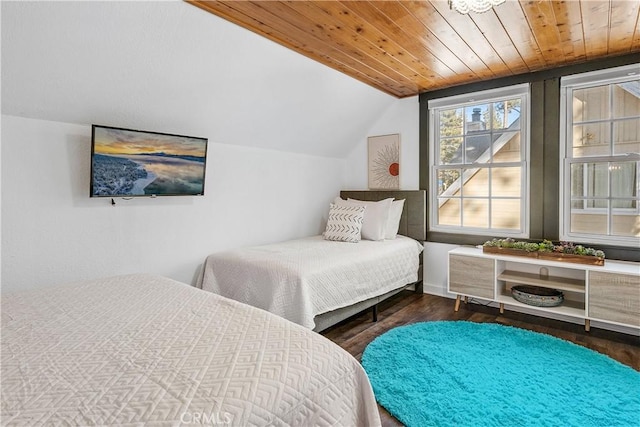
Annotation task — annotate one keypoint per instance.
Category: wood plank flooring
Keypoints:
(407, 307)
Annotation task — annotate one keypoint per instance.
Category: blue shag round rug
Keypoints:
(459, 373)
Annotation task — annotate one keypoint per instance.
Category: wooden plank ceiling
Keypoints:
(407, 47)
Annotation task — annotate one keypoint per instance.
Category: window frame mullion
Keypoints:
(568, 85)
(488, 98)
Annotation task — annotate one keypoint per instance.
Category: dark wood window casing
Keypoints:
(544, 156)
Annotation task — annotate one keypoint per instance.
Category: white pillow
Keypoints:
(344, 223)
(375, 216)
(393, 223)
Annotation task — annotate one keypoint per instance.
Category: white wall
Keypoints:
(279, 127)
(52, 232)
(400, 117)
(171, 67)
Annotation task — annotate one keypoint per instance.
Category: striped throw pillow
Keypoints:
(345, 223)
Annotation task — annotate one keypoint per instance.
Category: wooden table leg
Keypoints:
(587, 325)
(457, 306)
(501, 308)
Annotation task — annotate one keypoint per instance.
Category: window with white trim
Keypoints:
(479, 148)
(600, 149)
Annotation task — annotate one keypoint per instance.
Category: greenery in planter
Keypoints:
(544, 246)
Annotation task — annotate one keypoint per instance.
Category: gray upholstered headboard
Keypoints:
(413, 220)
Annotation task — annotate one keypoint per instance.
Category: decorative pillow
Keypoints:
(344, 223)
(375, 216)
(393, 223)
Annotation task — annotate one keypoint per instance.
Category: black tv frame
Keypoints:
(92, 186)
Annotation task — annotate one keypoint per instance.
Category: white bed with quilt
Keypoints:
(299, 279)
(305, 279)
(146, 350)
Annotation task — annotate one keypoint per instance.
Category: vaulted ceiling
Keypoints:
(407, 47)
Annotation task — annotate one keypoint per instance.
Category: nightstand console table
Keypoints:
(609, 293)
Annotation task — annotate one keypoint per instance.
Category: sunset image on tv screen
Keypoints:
(135, 163)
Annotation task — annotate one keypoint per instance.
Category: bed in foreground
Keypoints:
(140, 349)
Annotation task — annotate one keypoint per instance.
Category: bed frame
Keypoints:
(412, 224)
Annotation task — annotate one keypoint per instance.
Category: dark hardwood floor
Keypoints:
(407, 307)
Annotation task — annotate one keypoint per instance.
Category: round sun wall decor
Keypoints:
(384, 162)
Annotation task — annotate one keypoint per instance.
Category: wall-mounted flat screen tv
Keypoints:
(133, 163)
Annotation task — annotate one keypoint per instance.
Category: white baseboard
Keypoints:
(442, 292)
(436, 290)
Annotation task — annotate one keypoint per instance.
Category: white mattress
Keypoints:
(300, 279)
(145, 350)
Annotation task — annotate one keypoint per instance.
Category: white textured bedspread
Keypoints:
(299, 279)
(145, 350)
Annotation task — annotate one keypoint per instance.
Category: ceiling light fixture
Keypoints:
(477, 6)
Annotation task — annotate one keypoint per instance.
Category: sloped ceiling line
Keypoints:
(404, 48)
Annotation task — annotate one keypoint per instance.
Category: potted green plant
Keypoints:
(562, 251)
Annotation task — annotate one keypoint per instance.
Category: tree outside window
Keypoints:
(479, 164)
